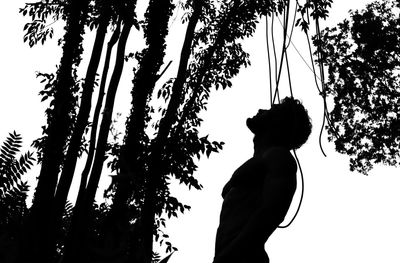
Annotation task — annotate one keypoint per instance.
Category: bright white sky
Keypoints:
(345, 217)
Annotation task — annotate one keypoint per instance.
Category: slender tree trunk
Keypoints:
(59, 124)
(82, 119)
(75, 251)
(81, 123)
(157, 15)
(155, 174)
(107, 115)
(177, 89)
(207, 60)
(155, 30)
(96, 115)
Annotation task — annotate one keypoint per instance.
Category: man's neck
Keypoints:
(258, 152)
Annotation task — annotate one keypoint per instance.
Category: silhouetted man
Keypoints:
(258, 196)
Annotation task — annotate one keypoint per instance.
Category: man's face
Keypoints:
(260, 121)
(254, 123)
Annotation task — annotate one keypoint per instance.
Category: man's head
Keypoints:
(286, 124)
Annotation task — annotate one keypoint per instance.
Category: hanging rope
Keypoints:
(287, 39)
(269, 61)
(282, 57)
(275, 60)
(319, 80)
(301, 193)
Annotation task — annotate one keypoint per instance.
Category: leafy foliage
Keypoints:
(43, 15)
(316, 9)
(363, 59)
(13, 191)
(11, 169)
(13, 194)
(62, 89)
(48, 94)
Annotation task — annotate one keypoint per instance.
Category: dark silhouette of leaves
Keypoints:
(13, 193)
(363, 59)
(11, 168)
(43, 15)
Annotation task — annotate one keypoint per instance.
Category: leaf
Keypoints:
(166, 259)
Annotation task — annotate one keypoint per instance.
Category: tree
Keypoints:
(99, 14)
(159, 145)
(82, 118)
(13, 193)
(85, 200)
(362, 56)
(60, 120)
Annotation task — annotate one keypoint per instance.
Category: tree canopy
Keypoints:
(363, 59)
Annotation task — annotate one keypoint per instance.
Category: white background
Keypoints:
(345, 217)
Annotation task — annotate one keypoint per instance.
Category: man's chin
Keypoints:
(250, 123)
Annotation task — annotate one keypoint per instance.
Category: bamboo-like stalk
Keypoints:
(96, 115)
(75, 249)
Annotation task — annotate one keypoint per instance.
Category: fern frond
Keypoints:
(10, 148)
(11, 168)
(24, 163)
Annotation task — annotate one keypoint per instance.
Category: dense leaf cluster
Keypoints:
(363, 59)
(316, 9)
(13, 192)
(11, 170)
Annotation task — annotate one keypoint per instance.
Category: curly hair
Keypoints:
(288, 123)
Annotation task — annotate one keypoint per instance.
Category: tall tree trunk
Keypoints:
(57, 131)
(75, 250)
(155, 31)
(155, 174)
(82, 119)
(157, 15)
